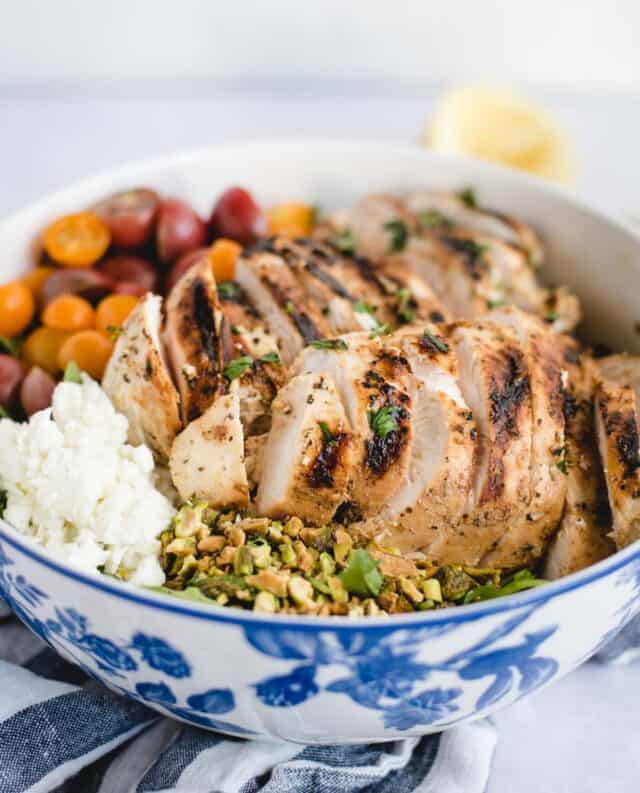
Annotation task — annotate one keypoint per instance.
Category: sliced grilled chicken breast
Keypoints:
(440, 209)
(495, 383)
(275, 291)
(581, 539)
(194, 339)
(373, 381)
(138, 382)
(307, 457)
(207, 457)
(548, 482)
(616, 416)
(623, 369)
(426, 511)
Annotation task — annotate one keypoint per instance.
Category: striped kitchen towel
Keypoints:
(61, 731)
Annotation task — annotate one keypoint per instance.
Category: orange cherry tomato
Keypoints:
(17, 308)
(69, 312)
(223, 255)
(77, 240)
(91, 351)
(42, 347)
(35, 279)
(112, 312)
(294, 220)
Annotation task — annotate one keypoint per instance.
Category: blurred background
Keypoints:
(84, 85)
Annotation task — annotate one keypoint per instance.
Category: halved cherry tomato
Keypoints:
(129, 288)
(186, 261)
(237, 216)
(12, 371)
(90, 284)
(69, 312)
(179, 229)
(77, 240)
(131, 269)
(36, 391)
(41, 348)
(17, 308)
(223, 255)
(90, 349)
(35, 279)
(113, 311)
(294, 220)
(129, 215)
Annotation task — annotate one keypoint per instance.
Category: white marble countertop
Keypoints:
(582, 734)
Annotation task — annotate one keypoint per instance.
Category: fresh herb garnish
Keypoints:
(431, 218)
(363, 308)
(235, 330)
(12, 346)
(405, 313)
(327, 435)
(468, 196)
(344, 241)
(270, 357)
(491, 304)
(522, 580)
(381, 330)
(551, 316)
(384, 420)
(238, 367)
(436, 343)
(329, 344)
(361, 576)
(399, 235)
(289, 307)
(72, 373)
(562, 462)
(228, 289)
(114, 331)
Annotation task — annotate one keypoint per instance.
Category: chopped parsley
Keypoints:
(491, 304)
(289, 307)
(363, 308)
(361, 576)
(381, 330)
(399, 235)
(270, 357)
(12, 346)
(468, 196)
(344, 241)
(432, 218)
(329, 344)
(522, 580)
(562, 461)
(235, 330)
(551, 316)
(238, 367)
(72, 373)
(405, 313)
(327, 435)
(436, 343)
(228, 290)
(384, 420)
(114, 331)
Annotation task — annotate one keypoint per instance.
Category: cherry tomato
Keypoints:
(237, 216)
(90, 349)
(77, 240)
(69, 312)
(132, 269)
(90, 284)
(17, 308)
(223, 255)
(36, 391)
(42, 346)
(179, 229)
(12, 372)
(186, 261)
(129, 288)
(129, 216)
(113, 311)
(35, 279)
(294, 220)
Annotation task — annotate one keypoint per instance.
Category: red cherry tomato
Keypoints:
(186, 261)
(36, 391)
(90, 284)
(12, 372)
(179, 229)
(237, 217)
(132, 269)
(129, 288)
(129, 215)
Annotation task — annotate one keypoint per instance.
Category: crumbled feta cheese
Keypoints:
(76, 487)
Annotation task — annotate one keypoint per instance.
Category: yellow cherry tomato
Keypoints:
(17, 308)
(35, 278)
(112, 311)
(294, 220)
(69, 312)
(42, 346)
(223, 255)
(91, 351)
(77, 240)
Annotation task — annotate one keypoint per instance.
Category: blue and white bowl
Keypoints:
(328, 680)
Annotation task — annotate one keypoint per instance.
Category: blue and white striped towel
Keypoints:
(61, 731)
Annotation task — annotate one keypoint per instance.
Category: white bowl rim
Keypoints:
(215, 613)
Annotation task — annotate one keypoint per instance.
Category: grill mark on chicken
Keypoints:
(226, 337)
(321, 473)
(327, 279)
(205, 321)
(627, 443)
(470, 252)
(304, 324)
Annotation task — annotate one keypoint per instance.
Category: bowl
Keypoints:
(336, 679)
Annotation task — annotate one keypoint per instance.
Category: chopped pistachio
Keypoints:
(265, 602)
(293, 527)
(226, 556)
(287, 554)
(261, 553)
(409, 588)
(304, 557)
(236, 536)
(300, 591)
(432, 590)
(327, 563)
(267, 580)
(243, 561)
(212, 544)
(181, 546)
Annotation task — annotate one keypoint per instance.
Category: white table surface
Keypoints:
(580, 735)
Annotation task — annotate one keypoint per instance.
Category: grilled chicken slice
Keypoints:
(193, 336)
(581, 537)
(548, 482)
(374, 382)
(207, 458)
(623, 369)
(439, 209)
(616, 417)
(426, 511)
(275, 291)
(138, 382)
(307, 458)
(495, 383)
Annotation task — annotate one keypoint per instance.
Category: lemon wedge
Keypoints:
(502, 127)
